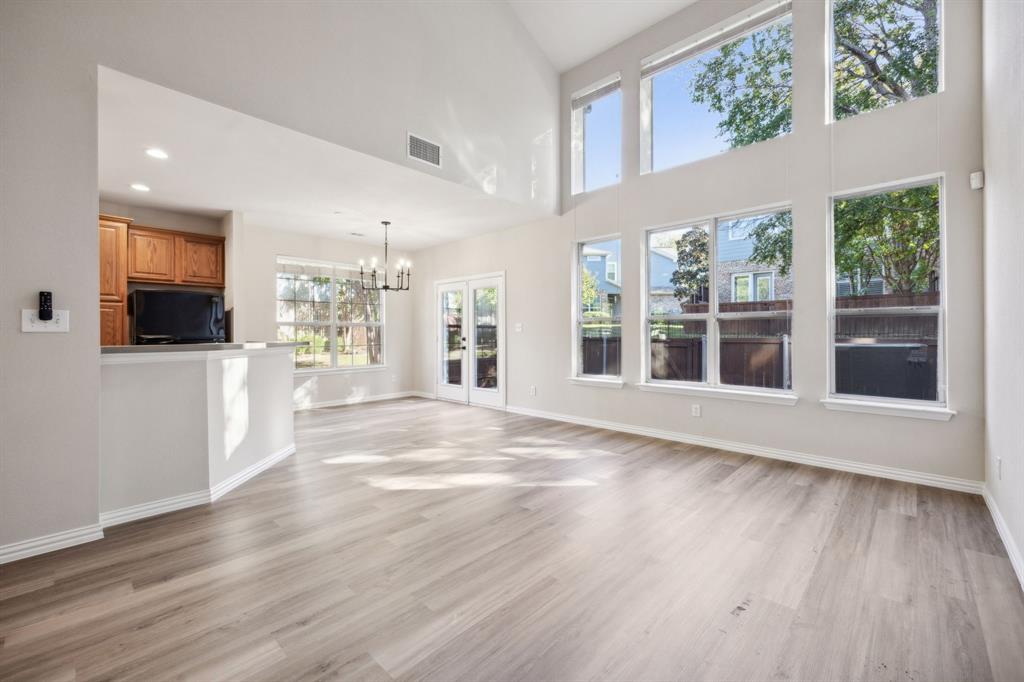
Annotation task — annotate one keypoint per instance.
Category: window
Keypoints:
(599, 305)
(753, 286)
(324, 306)
(730, 87)
(883, 52)
(597, 136)
(887, 337)
(611, 269)
(725, 320)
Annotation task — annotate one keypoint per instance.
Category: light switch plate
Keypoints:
(30, 322)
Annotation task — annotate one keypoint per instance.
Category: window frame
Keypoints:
(830, 113)
(753, 275)
(577, 130)
(338, 271)
(941, 388)
(577, 374)
(737, 26)
(713, 384)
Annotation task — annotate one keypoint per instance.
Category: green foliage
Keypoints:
(691, 274)
(886, 51)
(588, 289)
(750, 83)
(773, 241)
(894, 235)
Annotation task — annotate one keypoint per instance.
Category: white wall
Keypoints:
(936, 134)
(357, 74)
(258, 270)
(162, 218)
(1003, 101)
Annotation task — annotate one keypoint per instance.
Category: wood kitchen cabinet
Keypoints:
(151, 255)
(113, 324)
(175, 257)
(200, 260)
(113, 237)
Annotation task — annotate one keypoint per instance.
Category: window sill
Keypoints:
(767, 397)
(340, 370)
(934, 413)
(594, 381)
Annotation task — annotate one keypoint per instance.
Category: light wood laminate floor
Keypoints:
(416, 539)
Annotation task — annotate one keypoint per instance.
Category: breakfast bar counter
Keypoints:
(184, 424)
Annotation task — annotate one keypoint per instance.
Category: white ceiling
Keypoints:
(572, 31)
(222, 160)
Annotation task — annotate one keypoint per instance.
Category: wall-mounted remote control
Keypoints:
(45, 305)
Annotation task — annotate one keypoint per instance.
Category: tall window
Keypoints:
(731, 88)
(883, 52)
(325, 307)
(599, 309)
(725, 320)
(887, 326)
(597, 136)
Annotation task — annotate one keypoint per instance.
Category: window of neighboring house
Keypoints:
(597, 136)
(612, 271)
(599, 305)
(727, 319)
(753, 286)
(325, 306)
(883, 52)
(887, 337)
(729, 87)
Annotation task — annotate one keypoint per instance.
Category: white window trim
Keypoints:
(883, 405)
(753, 19)
(764, 395)
(577, 131)
(611, 271)
(577, 318)
(711, 318)
(597, 380)
(905, 409)
(338, 271)
(830, 114)
(753, 282)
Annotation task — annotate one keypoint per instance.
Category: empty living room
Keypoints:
(512, 340)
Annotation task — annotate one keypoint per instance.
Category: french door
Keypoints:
(471, 340)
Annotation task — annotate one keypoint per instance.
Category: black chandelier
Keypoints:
(404, 270)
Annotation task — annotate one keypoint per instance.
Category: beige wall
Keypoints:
(162, 218)
(936, 134)
(257, 263)
(1004, 247)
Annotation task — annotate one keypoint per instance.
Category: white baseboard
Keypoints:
(422, 394)
(50, 543)
(361, 399)
(906, 475)
(228, 484)
(1016, 558)
(141, 511)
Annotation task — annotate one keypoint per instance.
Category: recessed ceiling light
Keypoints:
(156, 153)
(139, 187)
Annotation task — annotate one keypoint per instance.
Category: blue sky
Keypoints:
(684, 131)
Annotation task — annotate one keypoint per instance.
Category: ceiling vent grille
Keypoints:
(424, 150)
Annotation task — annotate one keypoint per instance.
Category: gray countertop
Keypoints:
(195, 347)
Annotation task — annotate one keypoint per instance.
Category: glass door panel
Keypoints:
(485, 340)
(452, 367)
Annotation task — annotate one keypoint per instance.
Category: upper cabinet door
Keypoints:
(113, 259)
(150, 255)
(200, 260)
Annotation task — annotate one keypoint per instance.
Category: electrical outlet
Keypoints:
(30, 322)
(533, 390)
(519, 326)
(999, 468)
(694, 410)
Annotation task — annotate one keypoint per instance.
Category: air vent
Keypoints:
(424, 151)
